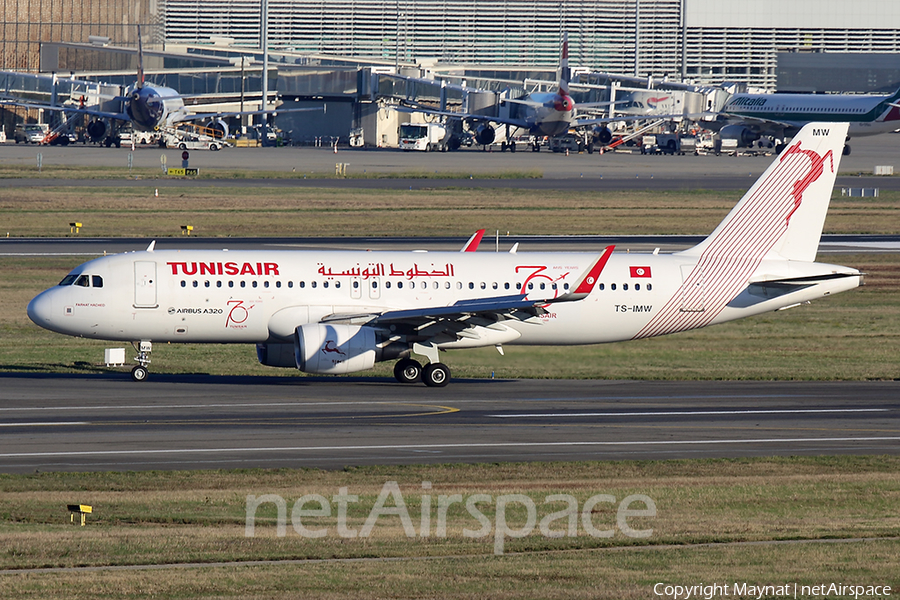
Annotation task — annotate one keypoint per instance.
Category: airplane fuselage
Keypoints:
(867, 115)
(152, 107)
(263, 296)
(552, 114)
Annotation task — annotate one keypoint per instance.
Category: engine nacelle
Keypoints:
(485, 135)
(602, 134)
(219, 128)
(96, 130)
(335, 349)
(745, 137)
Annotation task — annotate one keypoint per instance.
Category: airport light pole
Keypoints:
(264, 38)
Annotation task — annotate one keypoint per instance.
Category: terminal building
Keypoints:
(358, 55)
(703, 41)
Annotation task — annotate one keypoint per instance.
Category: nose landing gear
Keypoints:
(140, 371)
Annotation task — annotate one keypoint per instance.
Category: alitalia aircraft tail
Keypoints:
(783, 214)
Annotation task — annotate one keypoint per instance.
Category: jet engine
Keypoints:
(338, 349)
(485, 135)
(219, 128)
(602, 135)
(744, 136)
(96, 130)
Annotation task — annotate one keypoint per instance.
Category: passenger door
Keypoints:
(145, 284)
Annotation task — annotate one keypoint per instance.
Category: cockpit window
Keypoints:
(82, 280)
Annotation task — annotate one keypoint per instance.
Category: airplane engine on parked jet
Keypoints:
(744, 136)
(96, 130)
(485, 135)
(219, 127)
(602, 135)
(338, 349)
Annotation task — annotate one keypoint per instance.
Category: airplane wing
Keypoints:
(68, 109)
(123, 116)
(756, 120)
(220, 114)
(466, 116)
(757, 124)
(602, 120)
(455, 318)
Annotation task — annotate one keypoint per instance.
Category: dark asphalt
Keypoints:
(108, 422)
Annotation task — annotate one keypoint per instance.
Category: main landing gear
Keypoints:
(140, 371)
(433, 374)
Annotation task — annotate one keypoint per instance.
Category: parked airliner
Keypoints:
(540, 114)
(148, 107)
(336, 312)
(748, 117)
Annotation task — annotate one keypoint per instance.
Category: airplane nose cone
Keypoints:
(40, 310)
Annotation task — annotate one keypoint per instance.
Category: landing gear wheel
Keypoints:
(846, 151)
(436, 375)
(407, 371)
(140, 373)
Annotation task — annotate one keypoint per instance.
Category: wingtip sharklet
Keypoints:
(585, 285)
(474, 241)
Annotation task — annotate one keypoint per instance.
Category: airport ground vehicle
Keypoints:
(425, 137)
(573, 142)
(668, 143)
(185, 141)
(31, 133)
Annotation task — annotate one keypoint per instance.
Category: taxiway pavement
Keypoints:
(610, 171)
(108, 422)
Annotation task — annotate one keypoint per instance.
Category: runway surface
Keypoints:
(108, 422)
(92, 247)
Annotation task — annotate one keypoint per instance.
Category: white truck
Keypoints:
(425, 137)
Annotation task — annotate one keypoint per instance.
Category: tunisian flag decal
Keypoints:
(640, 271)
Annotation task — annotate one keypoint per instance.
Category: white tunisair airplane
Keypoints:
(338, 312)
